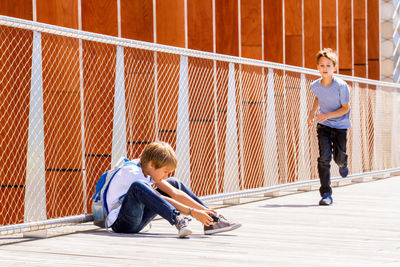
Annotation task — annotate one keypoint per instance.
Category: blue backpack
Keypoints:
(99, 204)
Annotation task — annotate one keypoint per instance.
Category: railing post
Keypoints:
(35, 190)
(119, 122)
(378, 160)
(182, 131)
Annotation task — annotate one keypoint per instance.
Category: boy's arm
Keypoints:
(311, 115)
(183, 202)
(201, 215)
(337, 113)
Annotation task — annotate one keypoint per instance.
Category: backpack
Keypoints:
(99, 203)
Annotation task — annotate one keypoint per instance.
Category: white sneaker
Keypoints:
(182, 224)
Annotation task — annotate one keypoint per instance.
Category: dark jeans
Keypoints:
(330, 140)
(141, 204)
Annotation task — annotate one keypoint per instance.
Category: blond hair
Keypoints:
(329, 54)
(161, 154)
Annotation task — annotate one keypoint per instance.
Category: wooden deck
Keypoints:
(361, 228)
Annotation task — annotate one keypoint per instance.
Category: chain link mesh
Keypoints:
(234, 126)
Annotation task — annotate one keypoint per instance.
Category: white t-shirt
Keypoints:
(120, 184)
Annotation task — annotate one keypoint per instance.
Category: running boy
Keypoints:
(332, 96)
(149, 192)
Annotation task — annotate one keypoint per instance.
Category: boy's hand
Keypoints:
(203, 217)
(321, 117)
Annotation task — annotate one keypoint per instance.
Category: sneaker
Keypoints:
(182, 224)
(326, 199)
(344, 171)
(220, 225)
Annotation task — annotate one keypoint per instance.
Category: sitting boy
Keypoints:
(149, 192)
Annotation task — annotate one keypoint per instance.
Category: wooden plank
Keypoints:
(345, 36)
(273, 30)
(329, 24)
(200, 25)
(226, 27)
(170, 19)
(251, 29)
(311, 33)
(22, 9)
(60, 13)
(137, 20)
(100, 16)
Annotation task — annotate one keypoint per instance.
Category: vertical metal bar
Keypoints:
(395, 146)
(119, 141)
(182, 130)
(35, 190)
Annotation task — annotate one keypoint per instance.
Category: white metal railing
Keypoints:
(73, 102)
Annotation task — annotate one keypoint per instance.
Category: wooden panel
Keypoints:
(61, 103)
(200, 25)
(100, 16)
(168, 136)
(359, 42)
(95, 167)
(60, 13)
(293, 50)
(170, 22)
(140, 95)
(202, 163)
(135, 148)
(360, 71)
(345, 37)
(201, 89)
(137, 20)
(293, 17)
(12, 205)
(329, 24)
(64, 194)
(98, 82)
(251, 29)
(17, 8)
(15, 79)
(373, 69)
(373, 38)
(273, 30)
(311, 33)
(226, 27)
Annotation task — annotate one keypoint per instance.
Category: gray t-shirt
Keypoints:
(331, 98)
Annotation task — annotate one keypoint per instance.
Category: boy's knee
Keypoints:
(324, 160)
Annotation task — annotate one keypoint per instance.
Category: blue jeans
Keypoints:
(330, 141)
(141, 204)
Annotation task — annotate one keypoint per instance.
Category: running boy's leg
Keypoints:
(141, 204)
(339, 138)
(325, 157)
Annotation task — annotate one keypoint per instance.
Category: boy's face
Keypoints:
(325, 67)
(159, 174)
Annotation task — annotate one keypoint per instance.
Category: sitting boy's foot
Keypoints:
(344, 171)
(182, 224)
(326, 199)
(146, 228)
(220, 225)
